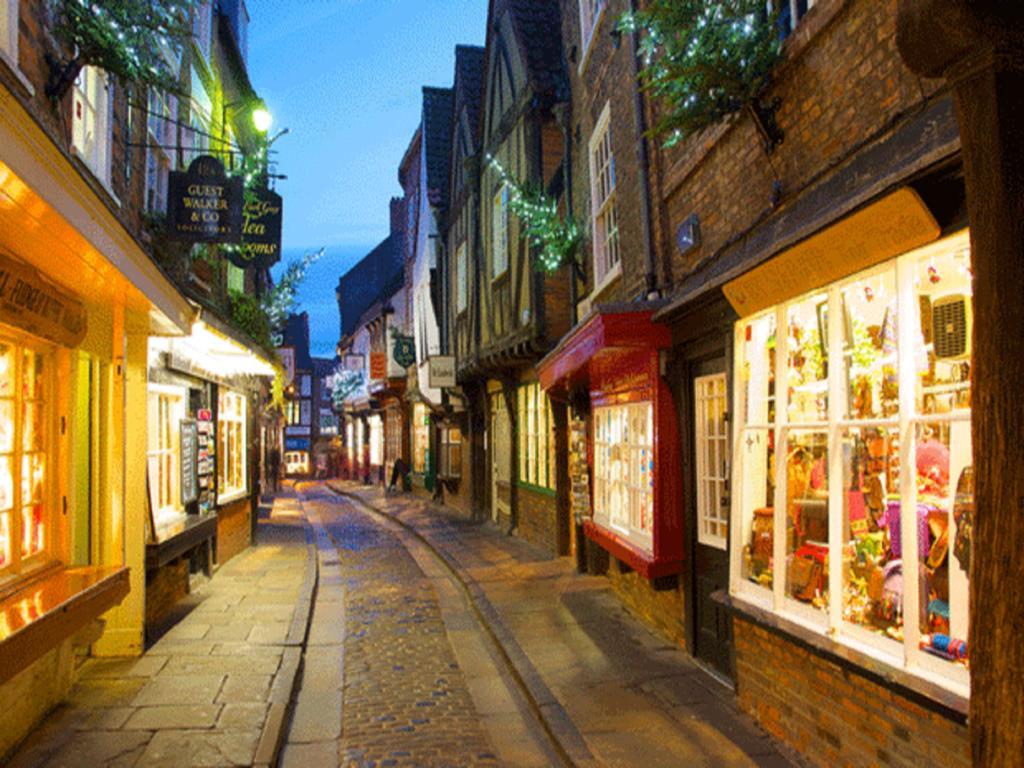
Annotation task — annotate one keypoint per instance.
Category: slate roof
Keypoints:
(360, 287)
(437, 137)
(538, 26)
(470, 62)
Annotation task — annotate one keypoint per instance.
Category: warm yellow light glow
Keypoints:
(262, 119)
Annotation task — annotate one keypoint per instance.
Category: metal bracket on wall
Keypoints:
(763, 115)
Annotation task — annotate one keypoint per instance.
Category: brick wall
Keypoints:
(164, 588)
(537, 518)
(834, 716)
(28, 696)
(234, 533)
(662, 610)
(841, 84)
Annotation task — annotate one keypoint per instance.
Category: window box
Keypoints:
(636, 504)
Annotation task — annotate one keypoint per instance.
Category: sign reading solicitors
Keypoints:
(204, 204)
(261, 230)
(31, 303)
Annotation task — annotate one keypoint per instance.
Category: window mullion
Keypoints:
(781, 435)
(836, 489)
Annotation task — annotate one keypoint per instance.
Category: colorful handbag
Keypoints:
(963, 514)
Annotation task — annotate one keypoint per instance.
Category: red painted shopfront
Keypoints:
(632, 446)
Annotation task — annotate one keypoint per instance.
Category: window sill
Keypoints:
(232, 496)
(640, 560)
(613, 275)
(12, 66)
(50, 609)
(929, 694)
(538, 489)
(104, 184)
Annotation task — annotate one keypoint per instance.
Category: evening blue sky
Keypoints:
(345, 77)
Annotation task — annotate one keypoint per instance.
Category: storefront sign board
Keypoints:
(30, 302)
(355, 362)
(204, 205)
(441, 371)
(262, 216)
(296, 444)
(378, 365)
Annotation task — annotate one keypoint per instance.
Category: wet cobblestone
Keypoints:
(405, 700)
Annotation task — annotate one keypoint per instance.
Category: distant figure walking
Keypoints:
(273, 469)
(398, 474)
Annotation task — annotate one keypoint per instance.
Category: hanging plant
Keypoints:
(138, 41)
(544, 227)
(704, 60)
(280, 302)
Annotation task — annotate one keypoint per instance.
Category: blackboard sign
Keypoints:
(204, 204)
(261, 231)
(189, 461)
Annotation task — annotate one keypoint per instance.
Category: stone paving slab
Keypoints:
(594, 669)
(206, 692)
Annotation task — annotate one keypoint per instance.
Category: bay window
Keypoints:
(853, 463)
(624, 471)
(536, 429)
(231, 450)
(420, 438)
(26, 498)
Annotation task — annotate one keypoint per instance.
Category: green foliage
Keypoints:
(280, 302)
(139, 41)
(703, 59)
(544, 227)
(249, 316)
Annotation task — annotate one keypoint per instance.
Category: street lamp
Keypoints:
(262, 119)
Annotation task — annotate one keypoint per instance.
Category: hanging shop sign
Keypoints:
(378, 365)
(441, 371)
(404, 350)
(189, 461)
(262, 216)
(204, 203)
(29, 302)
(287, 355)
(355, 362)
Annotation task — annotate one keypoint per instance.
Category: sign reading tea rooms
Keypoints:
(261, 230)
(205, 204)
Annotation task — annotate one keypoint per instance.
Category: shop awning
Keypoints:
(610, 329)
(210, 353)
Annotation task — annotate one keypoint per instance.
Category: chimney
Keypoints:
(397, 215)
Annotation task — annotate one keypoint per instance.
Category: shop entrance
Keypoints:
(709, 500)
(501, 459)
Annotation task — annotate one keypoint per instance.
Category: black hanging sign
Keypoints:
(261, 231)
(204, 204)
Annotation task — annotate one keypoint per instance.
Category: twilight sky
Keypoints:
(345, 77)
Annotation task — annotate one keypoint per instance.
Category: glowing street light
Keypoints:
(262, 119)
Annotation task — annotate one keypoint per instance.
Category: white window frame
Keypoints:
(92, 97)
(618, 500)
(712, 480)
(164, 449)
(9, 32)
(461, 278)
(591, 12)
(499, 231)
(535, 427)
(451, 443)
(12, 518)
(906, 654)
(604, 215)
(232, 446)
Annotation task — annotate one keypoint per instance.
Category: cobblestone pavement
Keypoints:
(205, 693)
(405, 699)
(612, 690)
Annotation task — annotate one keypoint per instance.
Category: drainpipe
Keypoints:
(564, 113)
(651, 273)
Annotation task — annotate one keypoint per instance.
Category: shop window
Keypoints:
(499, 231)
(602, 196)
(536, 428)
(420, 438)
(376, 441)
(350, 439)
(231, 451)
(306, 385)
(360, 439)
(461, 279)
(91, 121)
(624, 471)
(306, 413)
(166, 409)
(857, 490)
(292, 413)
(712, 448)
(9, 30)
(590, 14)
(393, 435)
(25, 457)
(451, 452)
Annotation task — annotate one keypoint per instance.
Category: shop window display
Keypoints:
(875, 420)
(420, 438)
(24, 410)
(624, 470)
(231, 416)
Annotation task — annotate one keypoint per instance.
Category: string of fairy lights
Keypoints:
(556, 237)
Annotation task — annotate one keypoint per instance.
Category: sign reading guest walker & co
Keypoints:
(204, 204)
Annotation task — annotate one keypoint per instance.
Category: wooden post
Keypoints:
(979, 47)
